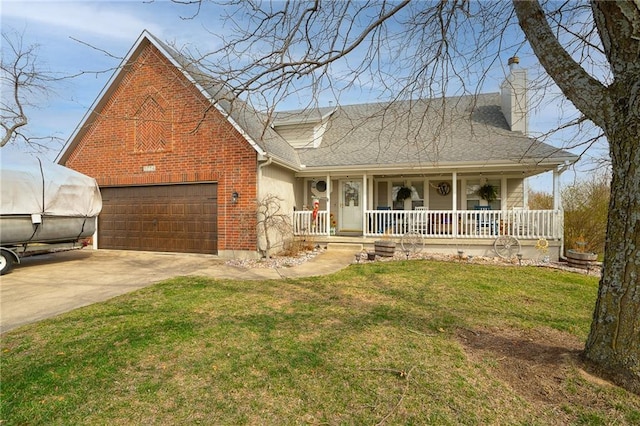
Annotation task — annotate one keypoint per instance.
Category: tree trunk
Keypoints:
(614, 340)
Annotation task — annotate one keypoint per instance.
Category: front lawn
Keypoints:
(409, 342)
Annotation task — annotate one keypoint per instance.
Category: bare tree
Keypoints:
(407, 50)
(274, 224)
(23, 83)
(613, 104)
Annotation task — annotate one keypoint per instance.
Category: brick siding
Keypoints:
(157, 128)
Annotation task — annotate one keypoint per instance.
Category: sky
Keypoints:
(88, 39)
(78, 37)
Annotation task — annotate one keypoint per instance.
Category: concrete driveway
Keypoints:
(45, 286)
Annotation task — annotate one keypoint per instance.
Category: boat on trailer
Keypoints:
(44, 207)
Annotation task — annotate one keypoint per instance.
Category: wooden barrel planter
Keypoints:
(384, 248)
(578, 259)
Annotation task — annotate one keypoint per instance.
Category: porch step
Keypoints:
(345, 246)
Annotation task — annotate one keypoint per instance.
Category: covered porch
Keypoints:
(467, 224)
(444, 209)
(462, 233)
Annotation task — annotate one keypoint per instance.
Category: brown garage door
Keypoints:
(177, 218)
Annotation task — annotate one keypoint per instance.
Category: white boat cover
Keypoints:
(29, 185)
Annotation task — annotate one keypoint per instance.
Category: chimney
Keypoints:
(515, 103)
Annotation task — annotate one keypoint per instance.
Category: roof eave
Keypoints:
(204, 92)
(101, 99)
(279, 161)
(447, 167)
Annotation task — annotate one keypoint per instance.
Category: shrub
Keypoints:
(540, 200)
(586, 206)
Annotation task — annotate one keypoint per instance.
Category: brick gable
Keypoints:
(157, 128)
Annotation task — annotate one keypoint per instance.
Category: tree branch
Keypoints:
(587, 93)
(20, 74)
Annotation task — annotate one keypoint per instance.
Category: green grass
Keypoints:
(375, 343)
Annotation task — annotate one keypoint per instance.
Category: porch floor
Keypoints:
(470, 246)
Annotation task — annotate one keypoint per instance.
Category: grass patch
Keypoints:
(411, 342)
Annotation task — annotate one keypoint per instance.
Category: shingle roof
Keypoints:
(422, 133)
(252, 122)
(301, 116)
(468, 129)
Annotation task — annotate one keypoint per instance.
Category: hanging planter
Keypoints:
(488, 192)
(403, 193)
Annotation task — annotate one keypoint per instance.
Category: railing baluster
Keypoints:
(523, 224)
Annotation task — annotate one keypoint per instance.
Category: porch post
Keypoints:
(454, 191)
(504, 193)
(463, 193)
(365, 200)
(454, 207)
(427, 190)
(327, 225)
(556, 189)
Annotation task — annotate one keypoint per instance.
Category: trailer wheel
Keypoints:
(6, 262)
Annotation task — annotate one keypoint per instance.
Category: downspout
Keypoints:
(557, 201)
(261, 166)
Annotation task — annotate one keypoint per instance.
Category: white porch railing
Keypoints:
(523, 224)
(304, 224)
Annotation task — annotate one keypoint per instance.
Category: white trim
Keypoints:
(365, 200)
(504, 194)
(454, 191)
(427, 193)
(454, 197)
(341, 207)
(442, 168)
(328, 179)
(556, 190)
(204, 92)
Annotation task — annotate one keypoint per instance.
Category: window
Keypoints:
(473, 199)
(417, 198)
(395, 187)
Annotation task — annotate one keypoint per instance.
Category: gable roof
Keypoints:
(432, 134)
(247, 121)
(425, 134)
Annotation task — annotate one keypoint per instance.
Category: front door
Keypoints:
(351, 205)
